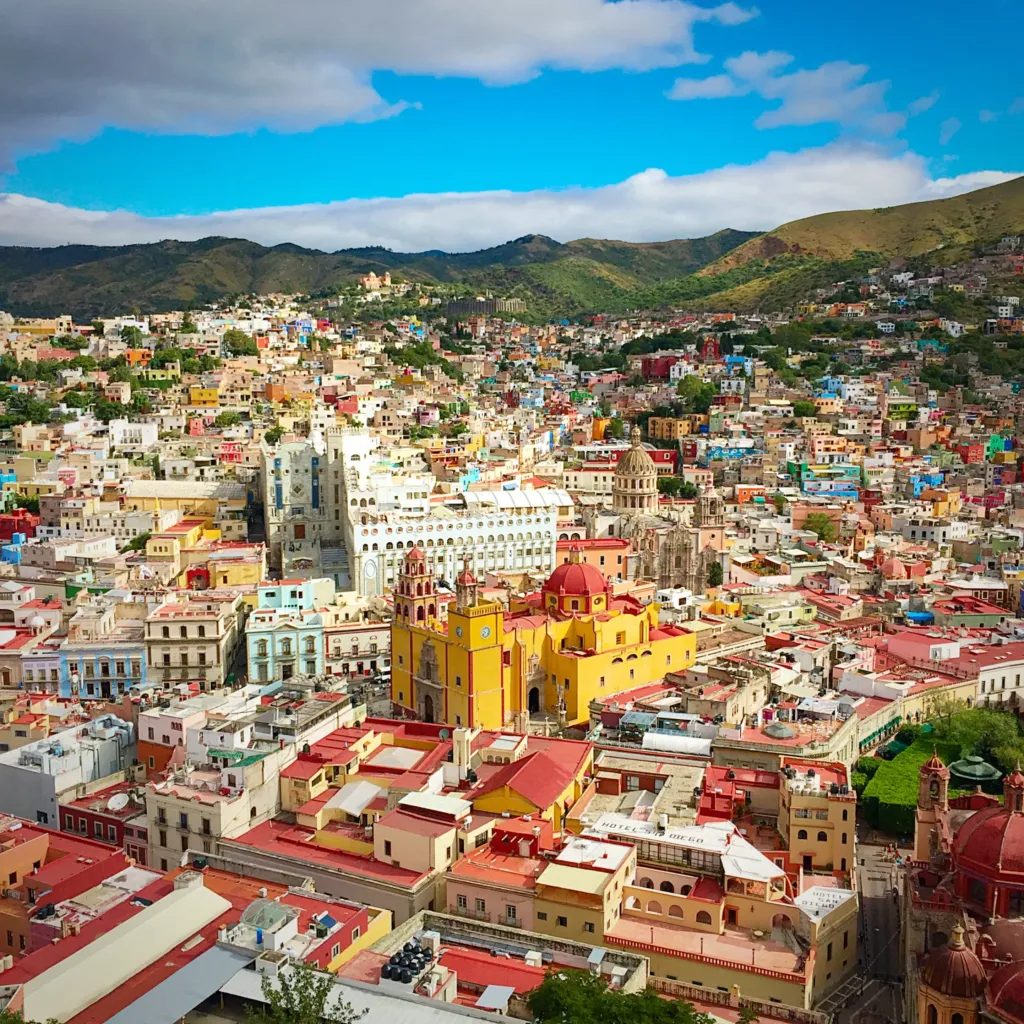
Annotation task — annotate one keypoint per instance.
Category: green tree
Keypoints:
(578, 997)
(30, 503)
(779, 501)
(228, 418)
(98, 328)
(273, 435)
(821, 524)
(697, 395)
(137, 543)
(188, 325)
(302, 995)
(239, 343)
(715, 574)
(804, 409)
(615, 430)
(132, 336)
(670, 485)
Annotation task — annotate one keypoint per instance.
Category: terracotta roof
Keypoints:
(537, 777)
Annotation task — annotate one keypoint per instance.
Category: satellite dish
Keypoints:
(443, 734)
(118, 802)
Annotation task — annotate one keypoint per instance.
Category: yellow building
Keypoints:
(664, 428)
(204, 398)
(551, 654)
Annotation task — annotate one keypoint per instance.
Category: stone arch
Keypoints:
(667, 887)
(645, 883)
(653, 907)
(675, 911)
(703, 917)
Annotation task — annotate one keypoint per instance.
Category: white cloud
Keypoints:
(713, 88)
(1017, 106)
(646, 207)
(987, 116)
(71, 68)
(923, 103)
(833, 93)
(948, 129)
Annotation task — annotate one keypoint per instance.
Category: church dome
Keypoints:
(1006, 991)
(990, 843)
(637, 461)
(635, 482)
(576, 579)
(954, 970)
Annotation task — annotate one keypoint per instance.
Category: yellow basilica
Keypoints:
(550, 655)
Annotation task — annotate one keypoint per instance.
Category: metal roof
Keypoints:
(544, 497)
(184, 990)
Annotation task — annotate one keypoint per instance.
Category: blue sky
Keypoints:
(537, 108)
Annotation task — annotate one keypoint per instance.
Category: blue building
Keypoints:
(284, 637)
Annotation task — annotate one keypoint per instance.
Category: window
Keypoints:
(542, 915)
(620, 639)
(202, 631)
(562, 922)
(510, 912)
(12, 878)
(822, 837)
(335, 950)
(462, 902)
(21, 942)
(458, 680)
(206, 826)
(286, 647)
(163, 839)
(261, 648)
(481, 907)
(846, 939)
(310, 645)
(588, 926)
(184, 632)
(97, 829)
(69, 823)
(844, 837)
(845, 816)
(183, 819)
(829, 952)
(802, 834)
(387, 847)
(184, 843)
(163, 863)
(112, 833)
(166, 631)
(355, 933)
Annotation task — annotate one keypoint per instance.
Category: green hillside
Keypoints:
(90, 281)
(727, 270)
(912, 230)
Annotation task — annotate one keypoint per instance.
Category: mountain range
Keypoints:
(730, 269)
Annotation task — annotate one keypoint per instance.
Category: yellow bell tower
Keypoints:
(475, 683)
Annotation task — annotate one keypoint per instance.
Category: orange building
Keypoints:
(39, 866)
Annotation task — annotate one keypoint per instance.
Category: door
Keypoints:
(808, 863)
(534, 700)
(428, 708)
(730, 915)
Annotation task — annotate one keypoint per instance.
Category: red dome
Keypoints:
(1006, 991)
(991, 843)
(417, 554)
(576, 579)
(954, 970)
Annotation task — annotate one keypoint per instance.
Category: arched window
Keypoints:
(703, 917)
(933, 1014)
(957, 1018)
(802, 834)
(666, 887)
(653, 907)
(822, 837)
(645, 883)
(674, 911)
(685, 890)
(844, 838)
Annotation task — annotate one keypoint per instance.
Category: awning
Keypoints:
(184, 990)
